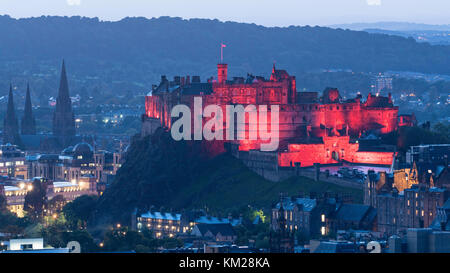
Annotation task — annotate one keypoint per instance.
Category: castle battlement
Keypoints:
(302, 116)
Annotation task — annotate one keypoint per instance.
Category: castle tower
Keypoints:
(222, 72)
(10, 123)
(28, 122)
(63, 117)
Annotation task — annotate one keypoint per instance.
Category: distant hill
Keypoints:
(139, 50)
(161, 172)
(394, 26)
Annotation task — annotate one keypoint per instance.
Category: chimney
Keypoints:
(188, 80)
(222, 72)
(383, 177)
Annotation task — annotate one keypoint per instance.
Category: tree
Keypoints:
(10, 223)
(3, 204)
(122, 239)
(35, 200)
(79, 211)
(56, 203)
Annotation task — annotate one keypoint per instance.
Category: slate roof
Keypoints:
(446, 204)
(162, 216)
(197, 88)
(336, 247)
(223, 229)
(305, 204)
(354, 212)
(442, 216)
(215, 220)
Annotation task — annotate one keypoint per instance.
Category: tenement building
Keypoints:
(13, 162)
(166, 224)
(319, 216)
(408, 199)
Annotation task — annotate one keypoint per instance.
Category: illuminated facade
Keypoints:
(311, 129)
(15, 190)
(75, 163)
(12, 162)
(409, 198)
(164, 224)
(106, 164)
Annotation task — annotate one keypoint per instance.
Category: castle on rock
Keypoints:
(312, 129)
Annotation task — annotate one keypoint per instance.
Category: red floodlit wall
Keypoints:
(296, 120)
(332, 150)
(379, 158)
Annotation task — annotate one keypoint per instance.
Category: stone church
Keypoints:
(64, 133)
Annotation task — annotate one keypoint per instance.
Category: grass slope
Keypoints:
(227, 183)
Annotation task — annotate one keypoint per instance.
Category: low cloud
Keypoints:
(73, 2)
(374, 2)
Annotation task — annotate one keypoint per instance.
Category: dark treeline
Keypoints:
(140, 48)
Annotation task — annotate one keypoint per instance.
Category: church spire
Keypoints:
(28, 121)
(10, 124)
(63, 99)
(63, 117)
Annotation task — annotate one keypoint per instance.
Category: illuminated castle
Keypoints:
(312, 129)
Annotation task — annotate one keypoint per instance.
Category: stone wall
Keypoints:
(149, 125)
(265, 164)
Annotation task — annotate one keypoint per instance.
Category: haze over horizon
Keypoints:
(261, 12)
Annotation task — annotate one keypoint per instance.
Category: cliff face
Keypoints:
(157, 168)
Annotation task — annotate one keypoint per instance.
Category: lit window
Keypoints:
(323, 218)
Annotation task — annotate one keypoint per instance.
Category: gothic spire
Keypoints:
(63, 117)
(28, 121)
(10, 124)
(63, 99)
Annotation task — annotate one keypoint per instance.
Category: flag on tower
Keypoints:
(222, 45)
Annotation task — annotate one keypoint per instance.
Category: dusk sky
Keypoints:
(264, 12)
